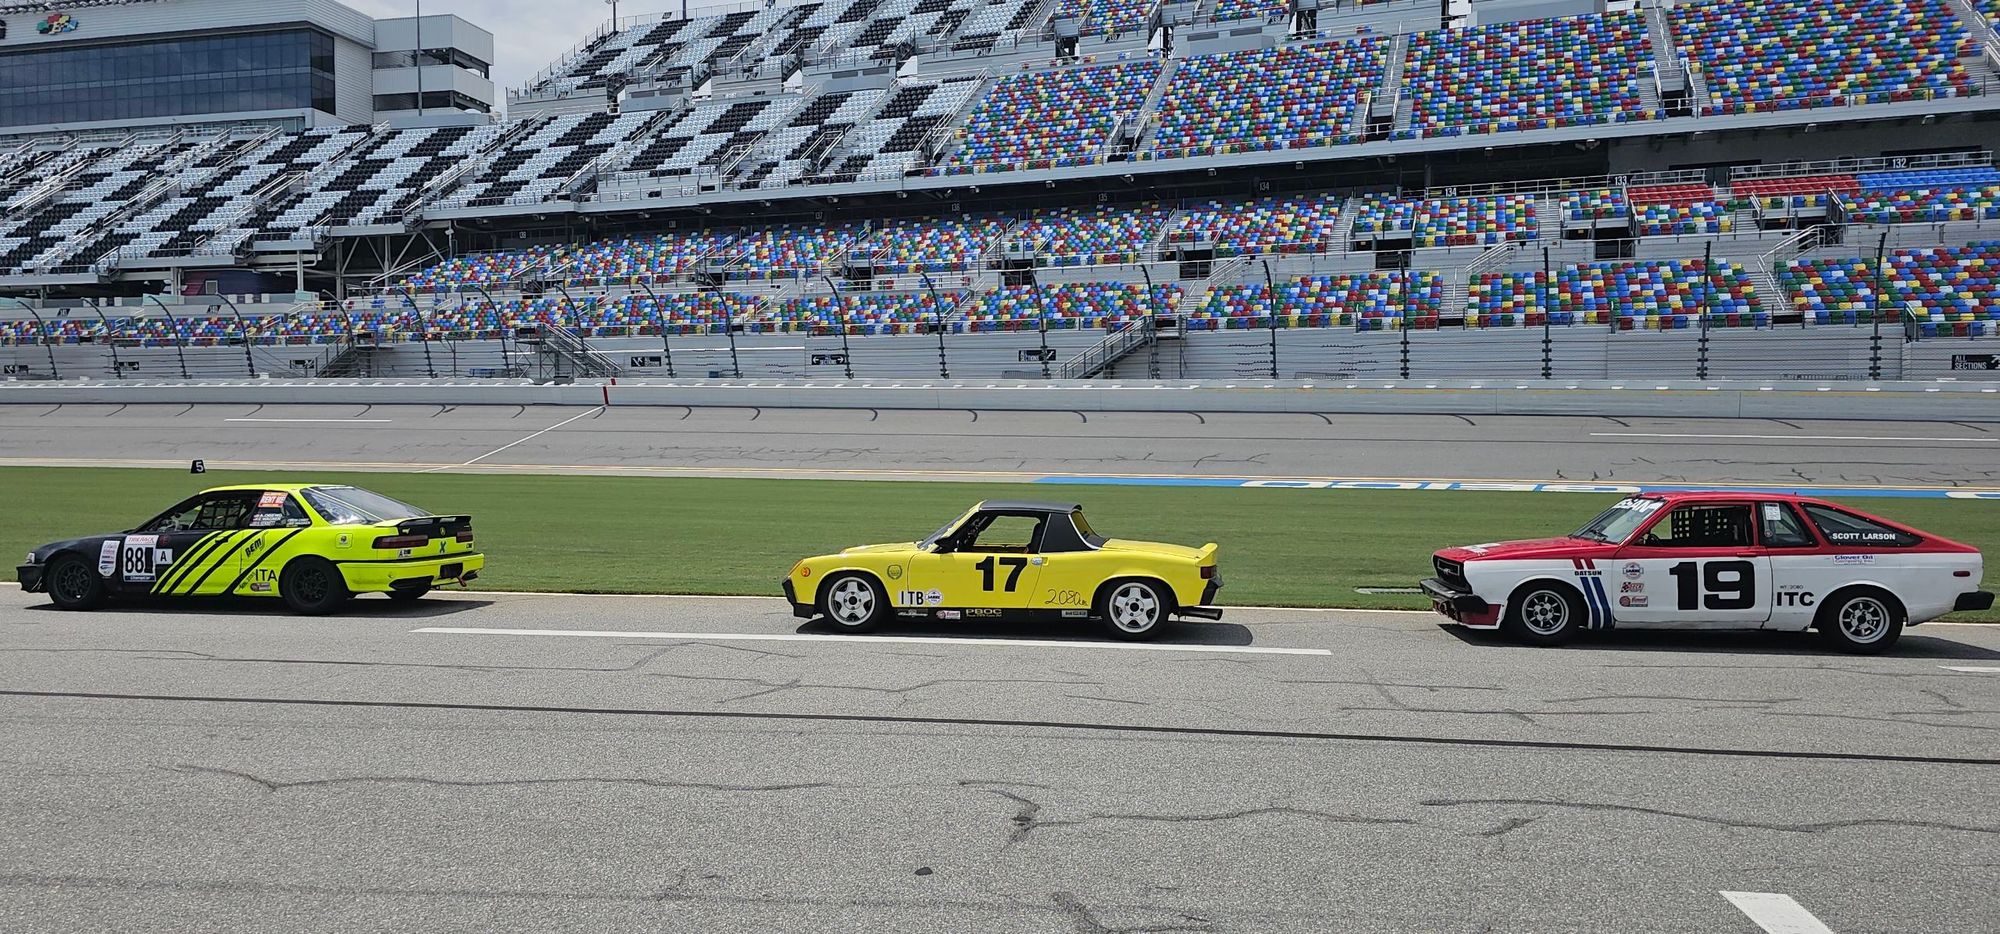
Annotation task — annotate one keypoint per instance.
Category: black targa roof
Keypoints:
(1028, 505)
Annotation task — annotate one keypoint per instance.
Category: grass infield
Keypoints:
(729, 536)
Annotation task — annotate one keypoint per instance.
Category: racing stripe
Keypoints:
(1584, 576)
(273, 549)
(188, 560)
(1597, 587)
(234, 546)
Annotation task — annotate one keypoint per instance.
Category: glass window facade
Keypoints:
(280, 70)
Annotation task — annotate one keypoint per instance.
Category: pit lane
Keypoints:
(215, 764)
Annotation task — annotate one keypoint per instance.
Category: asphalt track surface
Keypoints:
(693, 765)
(1006, 445)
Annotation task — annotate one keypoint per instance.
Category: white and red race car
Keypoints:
(1714, 561)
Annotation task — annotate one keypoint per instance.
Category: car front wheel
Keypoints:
(852, 603)
(1544, 613)
(1863, 621)
(1134, 609)
(74, 585)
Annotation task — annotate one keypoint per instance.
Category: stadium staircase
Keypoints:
(98, 237)
(1140, 333)
(1981, 58)
(561, 354)
(349, 359)
(54, 183)
(1392, 104)
(1667, 64)
(1147, 117)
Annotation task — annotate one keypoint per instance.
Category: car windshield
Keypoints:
(346, 505)
(1620, 521)
(945, 529)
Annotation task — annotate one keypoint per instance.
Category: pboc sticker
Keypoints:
(107, 559)
(139, 559)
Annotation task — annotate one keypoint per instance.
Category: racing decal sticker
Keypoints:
(1632, 587)
(1633, 570)
(919, 598)
(138, 560)
(1597, 603)
(107, 559)
(895, 572)
(271, 501)
(1632, 600)
(935, 598)
(1794, 595)
(946, 614)
(987, 611)
(1854, 559)
(1075, 614)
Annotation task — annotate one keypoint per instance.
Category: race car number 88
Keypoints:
(1728, 585)
(137, 561)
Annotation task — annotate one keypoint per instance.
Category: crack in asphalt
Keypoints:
(1739, 824)
(1027, 818)
(1325, 816)
(1087, 922)
(274, 785)
(768, 686)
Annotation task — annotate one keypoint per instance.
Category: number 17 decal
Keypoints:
(1014, 567)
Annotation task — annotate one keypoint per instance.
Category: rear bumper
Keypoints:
(1459, 606)
(30, 576)
(1966, 603)
(411, 574)
(800, 610)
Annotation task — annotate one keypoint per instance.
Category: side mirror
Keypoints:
(942, 546)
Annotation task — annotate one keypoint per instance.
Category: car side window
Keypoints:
(1847, 529)
(1010, 534)
(1701, 526)
(1779, 527)
(229, 510)
(181, 516)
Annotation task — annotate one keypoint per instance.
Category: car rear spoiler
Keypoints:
(434, 526)
(1207, 555)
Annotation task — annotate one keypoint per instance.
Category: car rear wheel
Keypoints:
(1544, 613)
(74, 585)
(313, 586)
(853, 603)
(1134, 609)
(1864, 621)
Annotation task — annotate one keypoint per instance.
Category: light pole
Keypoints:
(181, 342)
(43, 326)
(840, 303)
(243, 328)
(117, 369)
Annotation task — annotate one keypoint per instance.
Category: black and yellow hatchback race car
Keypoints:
(310, 545)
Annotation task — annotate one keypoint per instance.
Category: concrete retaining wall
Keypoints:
(1722, 399)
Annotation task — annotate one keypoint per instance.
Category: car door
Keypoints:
(989, 563)
(194, 545)
(1696, 564)
(275, 517)
(1798, 565)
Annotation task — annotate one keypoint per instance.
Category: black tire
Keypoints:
(312, 586)
(1544, 613)
(1861, 620)
(1134, 608)
(853, 602)
(408, 596)
(74, 584)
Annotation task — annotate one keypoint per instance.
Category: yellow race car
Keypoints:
(1011, 560)
(310, 545)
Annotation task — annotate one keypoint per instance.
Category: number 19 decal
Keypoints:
(1718, 585)
(1013, 565)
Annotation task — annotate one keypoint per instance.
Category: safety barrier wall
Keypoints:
(1847, 353)
(1892, 401)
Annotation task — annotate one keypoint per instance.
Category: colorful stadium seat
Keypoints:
(1766, 55)
(1282, 98)
(1639, 295)
(1367, 301)
(1093, 236)
(1070, 305)
(1928, 196)
(1528, 75)
(1447, 221)
(1046, 119)
(1304, 224)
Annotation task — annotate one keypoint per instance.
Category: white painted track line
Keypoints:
(1777, 913)
(1972, 669)
(335, 421)
(1650, 434)
(595, 410)
(866, 640)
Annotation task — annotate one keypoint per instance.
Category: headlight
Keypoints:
(31, 558)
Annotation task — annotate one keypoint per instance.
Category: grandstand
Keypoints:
(911, 169)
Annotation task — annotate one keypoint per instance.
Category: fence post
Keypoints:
(1408, 307)
(1272, 285)
(1875, 341)
(1548, 337)
(1042, 325)
(944, 369)
(729, 331)
(242, 330)
(180, 338)
(423, 332)
(117, 368)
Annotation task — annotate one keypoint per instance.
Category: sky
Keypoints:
(527, 34)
